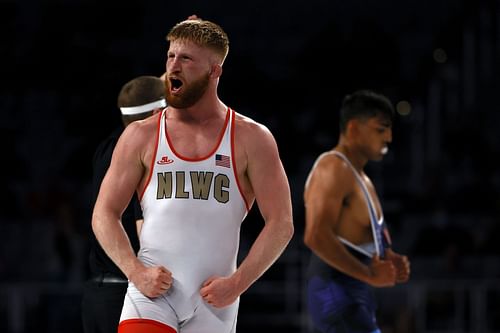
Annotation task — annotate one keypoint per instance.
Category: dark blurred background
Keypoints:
(289, 66)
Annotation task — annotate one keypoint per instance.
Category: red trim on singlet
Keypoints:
(144, 326)
(221, 135)
(153, 158)
(233, 161)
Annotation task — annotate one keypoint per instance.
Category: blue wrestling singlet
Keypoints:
(338, 303)
(378, 225)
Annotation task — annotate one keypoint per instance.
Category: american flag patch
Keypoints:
(222, 160)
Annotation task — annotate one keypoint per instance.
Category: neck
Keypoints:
(354, 155)
(200, 112)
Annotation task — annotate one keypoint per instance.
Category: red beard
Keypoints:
(191, 93)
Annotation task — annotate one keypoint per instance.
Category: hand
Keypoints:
(401, 263)
(219, 291)
(152, 281)
(383, 272)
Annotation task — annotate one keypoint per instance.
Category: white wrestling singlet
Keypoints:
(193, 209)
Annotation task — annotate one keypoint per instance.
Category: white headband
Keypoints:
(143, 108)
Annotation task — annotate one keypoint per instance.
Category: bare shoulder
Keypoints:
(257, 150)
(329, 171)
(141, 131)
(254, 136)
(247, 126)
(331, 163)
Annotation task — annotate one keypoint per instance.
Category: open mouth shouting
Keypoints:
(175, 85)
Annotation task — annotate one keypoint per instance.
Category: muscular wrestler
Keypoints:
(198, 167)
(345, 227)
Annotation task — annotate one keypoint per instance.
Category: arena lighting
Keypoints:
(403, 108)
(440, 56)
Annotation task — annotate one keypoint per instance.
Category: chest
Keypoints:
(194, 141)
(361, 201)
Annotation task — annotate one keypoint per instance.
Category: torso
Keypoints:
(192, 203)
(196, 141)
(354, 223)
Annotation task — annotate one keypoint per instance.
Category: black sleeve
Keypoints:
(100, 164)
(137, 208)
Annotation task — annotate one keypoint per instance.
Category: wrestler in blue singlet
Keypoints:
(339, 303)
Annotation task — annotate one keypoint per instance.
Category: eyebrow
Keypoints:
(385, 122)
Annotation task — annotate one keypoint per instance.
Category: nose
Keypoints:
(172, 65)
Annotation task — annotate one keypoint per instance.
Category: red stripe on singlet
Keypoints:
(144, 326)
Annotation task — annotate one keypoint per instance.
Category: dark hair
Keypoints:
(364, 104)
(139, 91)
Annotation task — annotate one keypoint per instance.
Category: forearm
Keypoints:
(115, 242)
(334, 253)
(266, 249)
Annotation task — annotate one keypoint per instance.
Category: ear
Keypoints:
(216, 71)
(352, 127)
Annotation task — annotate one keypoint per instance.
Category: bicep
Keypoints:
(325, 193)
(268, 178)
(121, 178)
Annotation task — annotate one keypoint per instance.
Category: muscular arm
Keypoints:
(272, 193)
(115, 193)
(121, 180)
(329, 183)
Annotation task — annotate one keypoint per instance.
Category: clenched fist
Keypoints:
(152, 281)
